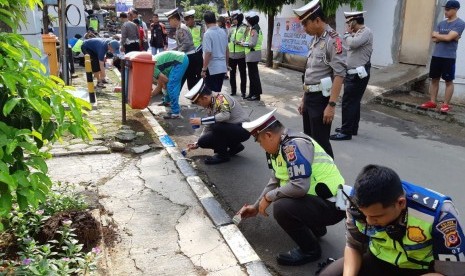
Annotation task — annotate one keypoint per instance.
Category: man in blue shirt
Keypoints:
(97, 48)
(446, 36)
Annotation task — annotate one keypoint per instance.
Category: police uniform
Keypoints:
(196, 59)
(360, 47)
(302, 189)
(223, 130)
(427, 238)
(253, 55)
(185, 43)
(326, 59)
(237, 53)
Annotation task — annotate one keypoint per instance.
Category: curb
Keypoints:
(416, 109)
(236, 241)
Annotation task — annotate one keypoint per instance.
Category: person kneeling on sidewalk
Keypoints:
(223, 130)
(302, 189)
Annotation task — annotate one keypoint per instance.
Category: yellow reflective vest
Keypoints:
(323, 169)
(236, 34)
(196, 33)
(258, 46)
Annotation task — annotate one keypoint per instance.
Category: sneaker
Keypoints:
(445, 108)
(164, 104)
(172, 116)
(100, 85)
(428, 104)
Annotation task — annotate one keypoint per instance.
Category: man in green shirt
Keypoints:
(170, 67)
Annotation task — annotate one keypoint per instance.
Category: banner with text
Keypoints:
(289, 37)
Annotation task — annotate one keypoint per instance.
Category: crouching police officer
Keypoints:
(303, 187)
(223, 131)
(409, 230)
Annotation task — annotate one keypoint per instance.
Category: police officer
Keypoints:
(408, 229)
(302, 189)
(197, 34)
(324, 74)
(223, 131)
(185, 43)
(253, 54)
(237, 52)
(359, 40)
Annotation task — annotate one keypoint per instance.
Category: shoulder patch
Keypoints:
(338, 45)
(448, 228)
(289, 150)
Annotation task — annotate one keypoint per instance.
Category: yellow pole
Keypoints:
(90, 79)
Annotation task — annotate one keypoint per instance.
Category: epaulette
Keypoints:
(337, 41)
(424, 201)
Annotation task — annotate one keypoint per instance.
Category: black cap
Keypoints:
(452, 4)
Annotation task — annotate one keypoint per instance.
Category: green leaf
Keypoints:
(9, 105)
(11, 146)
(6, 178)
(5, 197)
(38, 163)
(48, 131)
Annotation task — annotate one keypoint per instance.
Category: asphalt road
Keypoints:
(420, 149)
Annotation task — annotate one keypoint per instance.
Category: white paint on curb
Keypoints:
(199, 188)
(239, 244)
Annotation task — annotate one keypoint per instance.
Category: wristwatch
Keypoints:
(332, 104)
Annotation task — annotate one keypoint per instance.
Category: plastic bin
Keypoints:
(139, 75)
(50, 48)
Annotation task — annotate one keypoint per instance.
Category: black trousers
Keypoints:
(354, 87)
(312, 115)
(372, 266)
(255, 86)
(309, 211)
(131, 47)
(194, 70)
(214, 82)
(223, 136)
(234, 63)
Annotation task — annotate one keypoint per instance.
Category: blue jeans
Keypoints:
(156, 50)
(174, 84)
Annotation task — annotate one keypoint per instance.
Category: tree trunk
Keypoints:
(45, 19)
(269, 53)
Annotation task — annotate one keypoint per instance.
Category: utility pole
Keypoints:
(63, 40)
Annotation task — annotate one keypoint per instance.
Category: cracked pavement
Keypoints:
(162, 228)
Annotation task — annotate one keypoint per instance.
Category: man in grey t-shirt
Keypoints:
(446, 36)
(215, 53)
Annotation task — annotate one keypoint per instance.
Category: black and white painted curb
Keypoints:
(239, 245)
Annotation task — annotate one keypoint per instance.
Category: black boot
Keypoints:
(308, 249)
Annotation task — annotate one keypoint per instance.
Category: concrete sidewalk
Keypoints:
(165, 219)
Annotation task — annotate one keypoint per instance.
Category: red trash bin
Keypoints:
(139, 78)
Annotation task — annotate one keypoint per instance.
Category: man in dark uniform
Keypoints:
(302, 189)
(223, 131)
(185, 43)
(408, 230)
(359, 40)
(324, 74)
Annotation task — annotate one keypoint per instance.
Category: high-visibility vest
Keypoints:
(196, 33)
(237, 34)
(93, 22)
(258, 46)
(77, 47)
(323, 168)
(416, 250)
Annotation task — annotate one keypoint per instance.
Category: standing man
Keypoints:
(97, 49)
(237, 52)
(170, 67)
(223, 130)
(359, 40)
(196, 31)
(302, 189)
(129, 34)
(159, 38)
(324, 74)
(215, 53)
(407, 229)
(446, 38)
(184, 43)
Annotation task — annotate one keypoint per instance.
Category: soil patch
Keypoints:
(87, 229)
